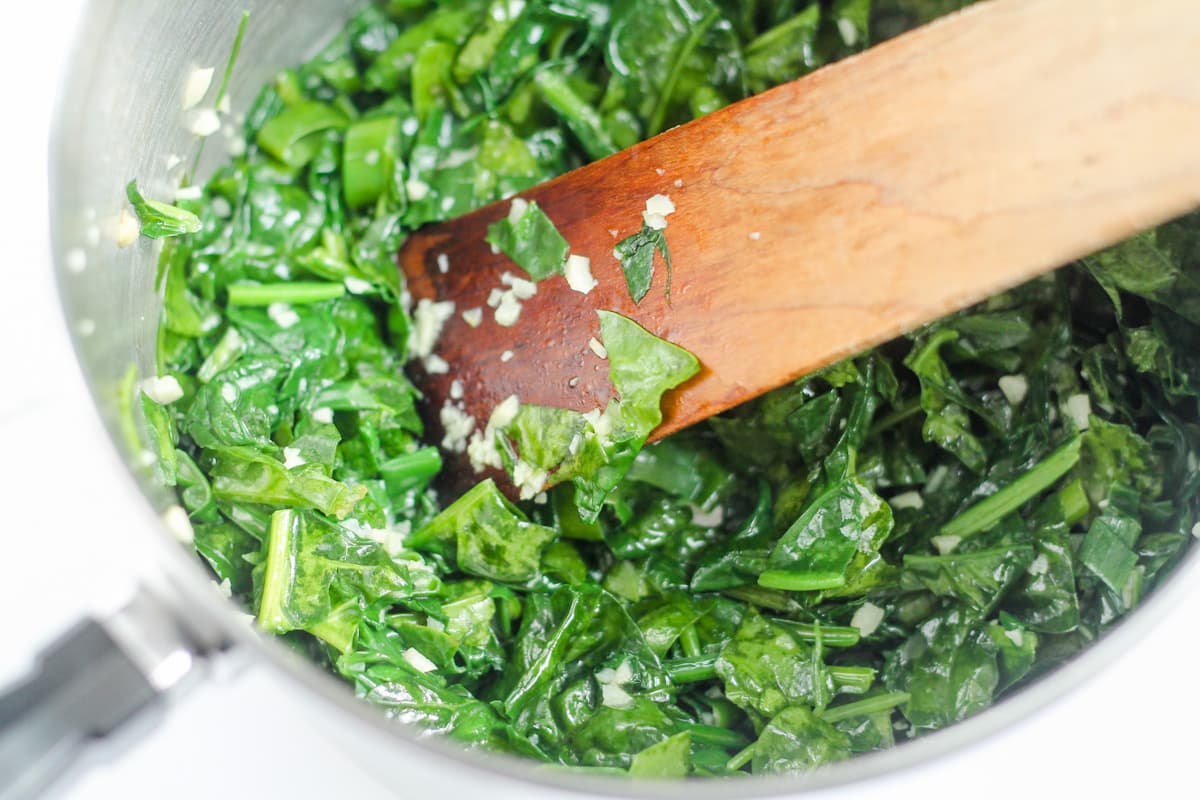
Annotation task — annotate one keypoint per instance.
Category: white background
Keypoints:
(67, 548)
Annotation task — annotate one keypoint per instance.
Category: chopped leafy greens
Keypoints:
(891, 544)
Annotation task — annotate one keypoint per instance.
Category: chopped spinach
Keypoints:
(160, 220)
(890, 544)
(528, 237)
(636, 255)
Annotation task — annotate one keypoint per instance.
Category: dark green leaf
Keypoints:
(636, 255)
(766, 668)
(978, 579)
(1107, 550)
(816, 551)
(948, 667)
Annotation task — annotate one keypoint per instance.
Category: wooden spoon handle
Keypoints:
(834, 213)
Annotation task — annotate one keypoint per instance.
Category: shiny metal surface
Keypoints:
(120, 117)
(154, 637)
(99, 679)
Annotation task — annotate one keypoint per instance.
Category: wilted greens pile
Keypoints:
(869, 554)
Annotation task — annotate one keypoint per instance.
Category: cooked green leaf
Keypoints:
(294, 136)
(312, 566)
(636, 255)
(766, 668)
(978, 578)
(670, 758)
(816, 552)
(487, 536)
(796, 741)
(1108, 548)
(160, 220)
(949, 668)
(529, 238)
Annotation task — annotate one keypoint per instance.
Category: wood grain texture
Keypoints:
(884, 191)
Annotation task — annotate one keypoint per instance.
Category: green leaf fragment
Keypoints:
(949, 668)
(294, 136)
(817, 550)
(582, 120)
(244, 475)
(797, 741)
(161, 220)
(1107, 549)
(1017, 648)
(225, 547)
(488, 536)
(978, 579)
(643, 368)
(787, 50)
(1045, 600)
(670, 758)
(596, 450)
(312, 567)
(529, 238)
(636, 255)
(766, 668)
(369, 159)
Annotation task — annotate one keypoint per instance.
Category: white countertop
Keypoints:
(67, 549)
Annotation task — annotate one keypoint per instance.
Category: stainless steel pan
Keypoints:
(120, 117)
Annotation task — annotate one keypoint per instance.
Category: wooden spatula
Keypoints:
(831, 214)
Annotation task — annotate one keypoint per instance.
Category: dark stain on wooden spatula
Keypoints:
(831, 214)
